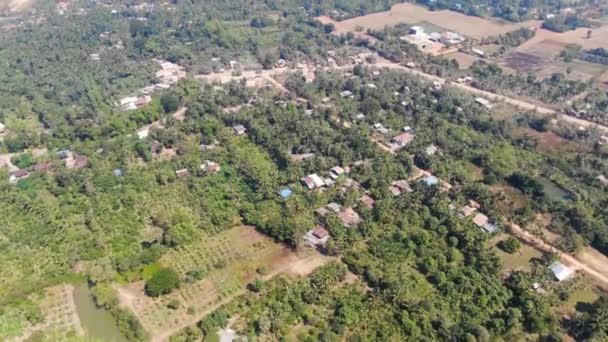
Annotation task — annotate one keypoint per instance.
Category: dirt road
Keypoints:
(540, 244)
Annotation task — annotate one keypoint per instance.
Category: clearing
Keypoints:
(230, 261)
(407, 13)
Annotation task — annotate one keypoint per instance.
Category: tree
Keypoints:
(169, 103)
(510, 245)
(162, 282)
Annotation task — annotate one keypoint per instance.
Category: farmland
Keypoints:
(407, 13)
(229, 260)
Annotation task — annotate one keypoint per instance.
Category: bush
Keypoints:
(162, 282)
(169, 103)
(510, 245)
(173, 304)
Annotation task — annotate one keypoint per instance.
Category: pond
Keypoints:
(97, 322)
(553, 191)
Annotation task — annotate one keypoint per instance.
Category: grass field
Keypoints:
(584, 295)
(229, 260)
(519, 260)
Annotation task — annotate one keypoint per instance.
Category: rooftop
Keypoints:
(561, 271)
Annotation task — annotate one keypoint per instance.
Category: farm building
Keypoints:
(561, 271)
(317, 237)
(416, 30)
(380, 128)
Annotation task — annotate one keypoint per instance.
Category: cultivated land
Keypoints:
(407, 13)
(229, 260)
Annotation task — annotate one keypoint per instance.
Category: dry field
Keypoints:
(412, 14)
(230, 260)
(14, 6)
(594, 258)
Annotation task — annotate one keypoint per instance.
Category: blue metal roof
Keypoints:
(285, 192)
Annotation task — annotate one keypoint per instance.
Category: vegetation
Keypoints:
(510, 245)
(162, 282)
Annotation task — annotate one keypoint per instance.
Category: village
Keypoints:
(235, 258)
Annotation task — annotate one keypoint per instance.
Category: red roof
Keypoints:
(368, 201)
(320, 232)
(81, 161)
(20, 173)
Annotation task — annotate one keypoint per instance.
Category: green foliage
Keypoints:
(510, 245)
(169, 103)
(162, 282)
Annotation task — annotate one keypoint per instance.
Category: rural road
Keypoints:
(540, 244)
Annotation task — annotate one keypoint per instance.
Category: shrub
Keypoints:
(162, 282)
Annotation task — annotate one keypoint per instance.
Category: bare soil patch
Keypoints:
(523, 62)
(464, 59)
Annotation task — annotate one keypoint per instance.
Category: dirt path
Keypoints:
(540, 244)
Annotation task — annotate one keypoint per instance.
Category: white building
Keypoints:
(561, 271)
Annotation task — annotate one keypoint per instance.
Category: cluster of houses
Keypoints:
(208, 167)
(432, 41)
(319, 236)
(479, 218)
(70, 161)
(169, 74)
(314, 181)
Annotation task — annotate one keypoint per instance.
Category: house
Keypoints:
(430, 180)
(603, 179)
(18, 175)
(435, 36)
(367, 201)
(281, 63)
(285, 192)
(561, 271)
(40, 167)
(467, 211)
(403, 186)
(2, 128)
(410, 65)
(143, 134)
(349, 217)
(380, 128)
(336, 172)
(95, 57)
(333, 206)
(416, 30)
(118, 172)
(328, 181)
(371, 86)
(313, 181)
(210, 166)
(81, 162)
(483, 222)
(431, 150)
(394, 190)
(359, 116)
(182, 173)
(402, 139)
(317, 237)
(239, 129)
(346, 93)
(227, 335)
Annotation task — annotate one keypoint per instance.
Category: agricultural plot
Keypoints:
(407, 13)
(60, 317)
(520, 260)
(229, 261)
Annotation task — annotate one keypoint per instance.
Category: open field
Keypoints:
(519, 260)
(407, 13)
(229, 260)
(464, 60)
(14, 6)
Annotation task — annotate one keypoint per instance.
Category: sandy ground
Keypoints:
(594, 258)
(412, 14)
(579, 36)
